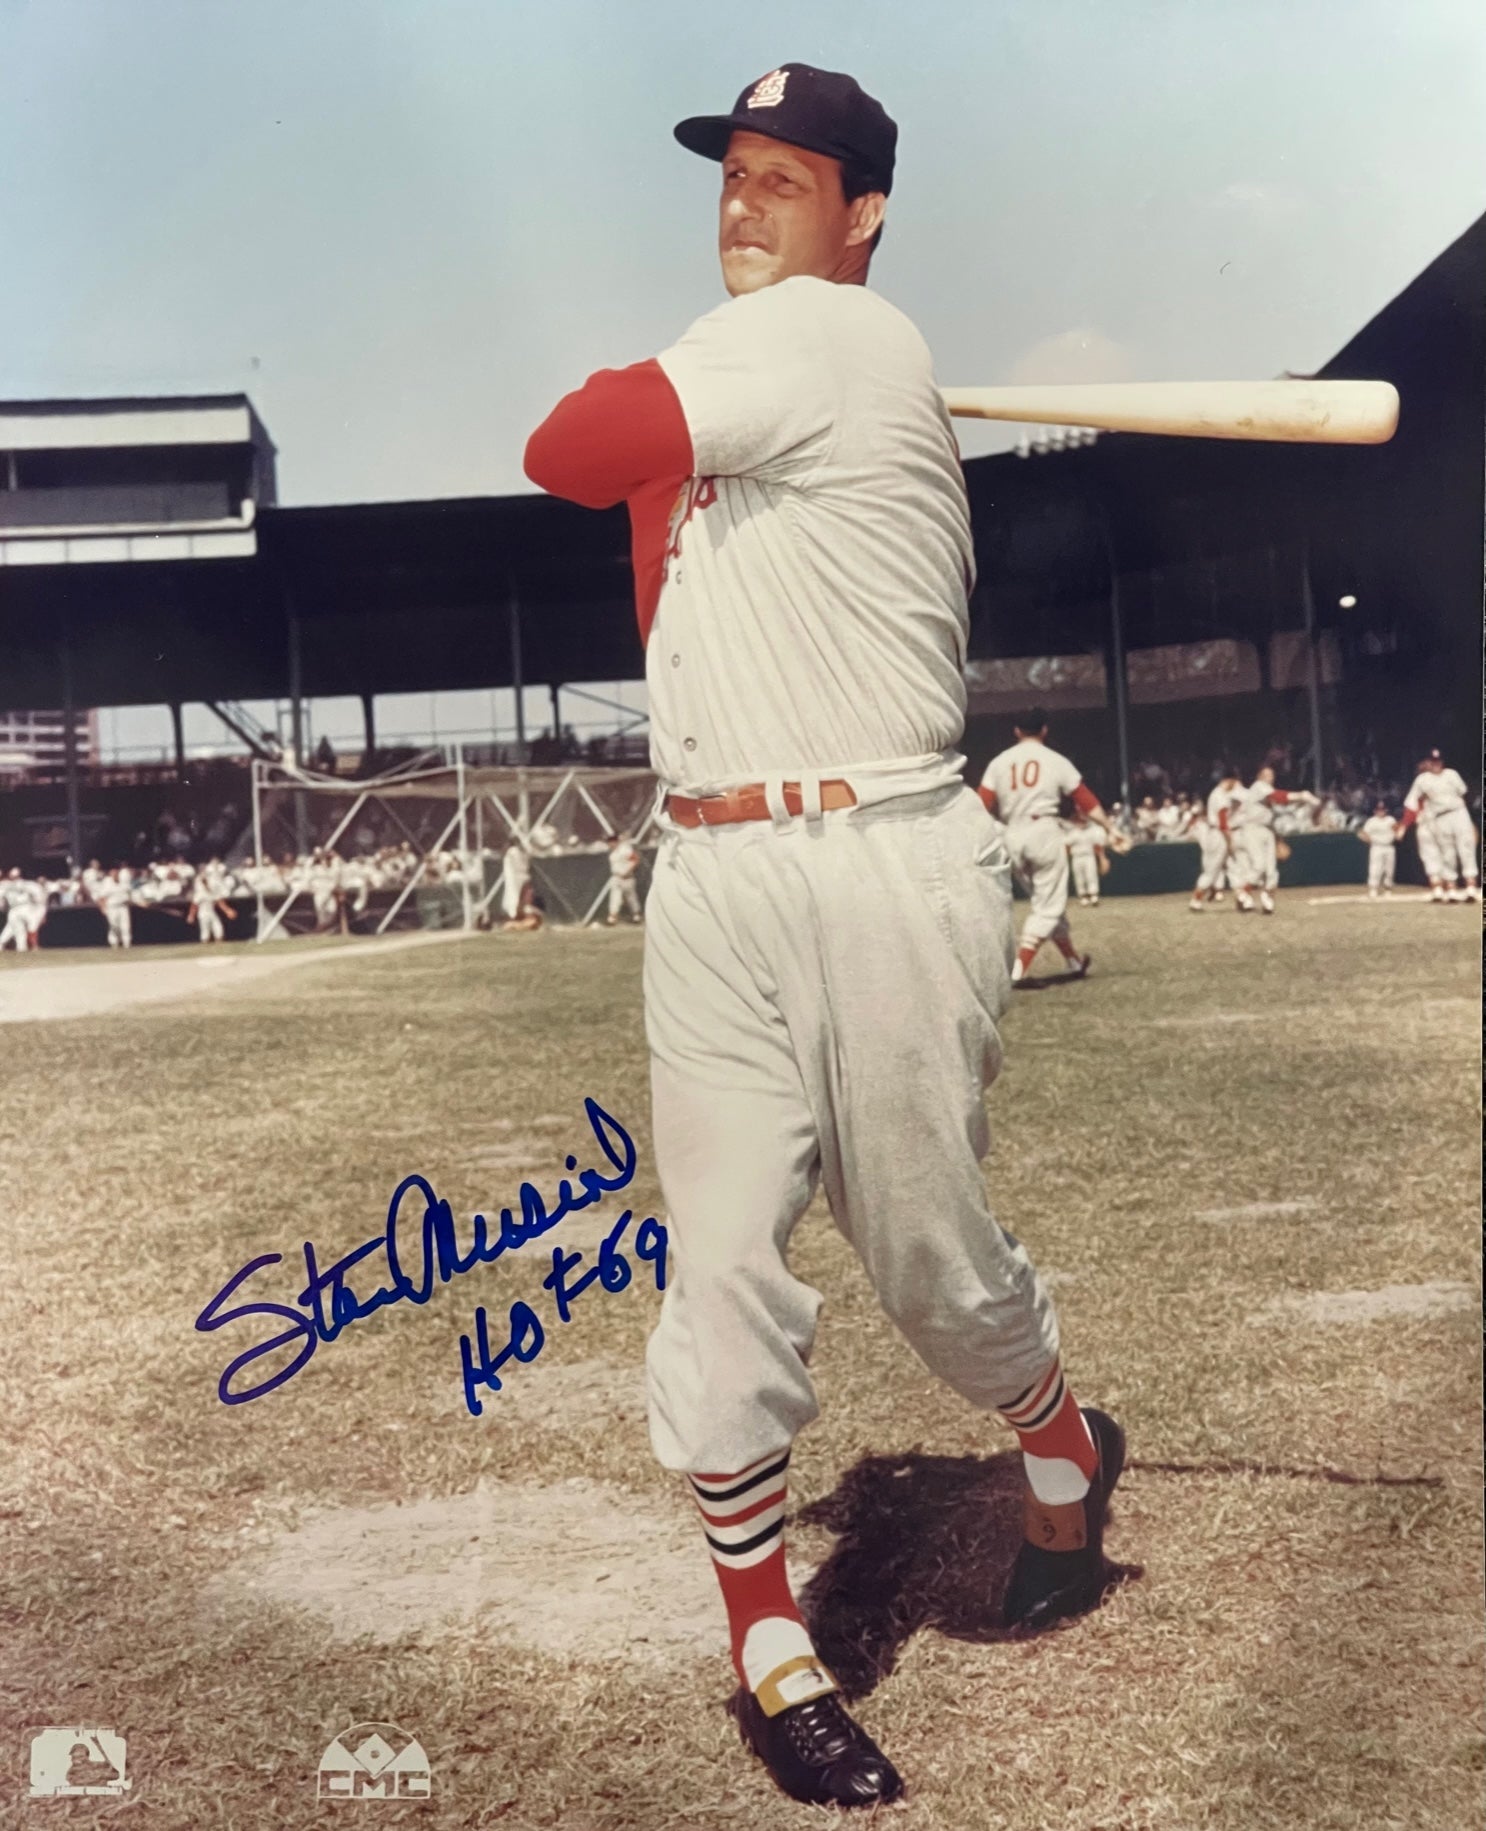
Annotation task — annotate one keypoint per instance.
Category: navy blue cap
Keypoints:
(821, 110)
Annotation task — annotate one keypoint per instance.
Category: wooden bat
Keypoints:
(1300, 412)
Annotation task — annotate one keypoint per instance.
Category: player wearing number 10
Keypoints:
(1025, 787)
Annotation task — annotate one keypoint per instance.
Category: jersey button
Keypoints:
(675, 661)
(676, 576)
(688, 743)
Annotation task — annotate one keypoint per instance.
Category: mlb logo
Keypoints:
(374, 1761)
(768, 91)
(77, 1763)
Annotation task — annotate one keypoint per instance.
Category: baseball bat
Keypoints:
(1299, 412)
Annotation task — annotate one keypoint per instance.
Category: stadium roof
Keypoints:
(418, 596)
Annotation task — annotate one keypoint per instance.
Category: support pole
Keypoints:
(1312, 666)
(1119, 685)
(69, 753)
(464, 844)
(369, 728)
(556, 693)
(518, 679)
(296, 728)
(257, 768)
(178, 728)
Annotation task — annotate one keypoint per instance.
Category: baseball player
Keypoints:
(1256, 860)
(208, 904)
(16, 892)
(515, 879)
(624, 863)
(1086, 855)
(1025, 786)
(1379, 833)
(114, 894)
(1438, 796)
(1215, 834)
(828, 929)
(323, 878)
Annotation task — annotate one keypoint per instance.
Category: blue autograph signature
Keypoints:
(526, 1337)
(327, 1305)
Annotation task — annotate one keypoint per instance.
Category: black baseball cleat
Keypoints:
(816, 1752)
(1060, 1568)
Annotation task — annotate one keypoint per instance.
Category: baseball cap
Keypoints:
(821, 110)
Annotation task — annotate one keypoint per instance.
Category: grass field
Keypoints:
(1247, 1152)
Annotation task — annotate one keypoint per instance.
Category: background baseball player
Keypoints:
(624, 864)
(1379, 832)
(1086, 856)
(515, 876)
(114, 895)
(827, 891)
(1255, 857)
(1025, 786)
(1214, 833)
(1438, 795)
(208, 904)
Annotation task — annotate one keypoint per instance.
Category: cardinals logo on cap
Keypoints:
(768, 91)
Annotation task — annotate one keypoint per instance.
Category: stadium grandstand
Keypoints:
(1171, 601)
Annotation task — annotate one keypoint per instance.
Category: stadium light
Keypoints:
(1348, 602)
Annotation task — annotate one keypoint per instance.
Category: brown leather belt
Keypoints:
(749, 803)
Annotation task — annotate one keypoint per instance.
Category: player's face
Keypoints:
(783, 213)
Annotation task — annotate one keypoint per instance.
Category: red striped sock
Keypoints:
(743, 1520)
(1057, 1449)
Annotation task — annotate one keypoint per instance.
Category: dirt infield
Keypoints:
(92, 988)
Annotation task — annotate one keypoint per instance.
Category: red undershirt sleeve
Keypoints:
(988, 795)
(1085, 799)
(621, 437)
(1410, 815)
(623, 429)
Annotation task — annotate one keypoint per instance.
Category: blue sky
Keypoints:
(405, 226)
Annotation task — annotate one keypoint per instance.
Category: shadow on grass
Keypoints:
(923, 1542)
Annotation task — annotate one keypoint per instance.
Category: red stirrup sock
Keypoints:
(1057, 1449)
(743, 1519)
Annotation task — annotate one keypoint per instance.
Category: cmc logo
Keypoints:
(374, 1761)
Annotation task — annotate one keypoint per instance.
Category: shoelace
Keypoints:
(821, 1729)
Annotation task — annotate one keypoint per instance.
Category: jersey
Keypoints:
(1435, 793)
(1083, 841)
(1224, 800)
(1256, 804)
(1379, 830)
(813, 607)
(624, 860)
(1029, 781)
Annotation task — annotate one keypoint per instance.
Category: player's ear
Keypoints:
(864, 216)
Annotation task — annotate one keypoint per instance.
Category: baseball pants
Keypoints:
(1431, 858)
(623, 894)
(209, 922)
(821, 1003)
(1380, 862)
(1261, 865)
(120, 927)
(1214, 862)
(1085, 874)
(15, 933)
(1040, 860)
(511, 889)
(1455, 835)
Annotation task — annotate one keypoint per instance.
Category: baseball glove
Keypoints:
(1119, 842)
(1281, 850)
